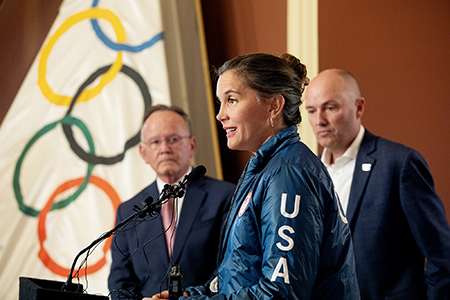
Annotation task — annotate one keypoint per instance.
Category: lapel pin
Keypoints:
(366, 167)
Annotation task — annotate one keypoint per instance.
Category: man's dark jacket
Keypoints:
(397, 220)
(205, 207)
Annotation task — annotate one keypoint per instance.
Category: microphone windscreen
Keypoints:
(148, 200)
(196, 174)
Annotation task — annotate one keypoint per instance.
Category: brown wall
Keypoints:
(233, 27)
(236, 27)
(400, 53)
(23, 27)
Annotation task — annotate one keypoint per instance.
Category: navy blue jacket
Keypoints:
(286, 236)
(204, 210)
(397, 220)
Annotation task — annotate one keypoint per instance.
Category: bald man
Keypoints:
(397, 220)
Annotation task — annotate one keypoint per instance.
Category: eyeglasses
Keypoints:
(170, 140)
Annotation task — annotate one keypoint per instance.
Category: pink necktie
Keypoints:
(168, 218)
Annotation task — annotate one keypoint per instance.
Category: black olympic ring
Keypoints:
(92, 158)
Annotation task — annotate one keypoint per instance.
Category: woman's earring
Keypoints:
(271, 122)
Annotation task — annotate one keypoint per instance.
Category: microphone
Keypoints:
(196, 174)
(176, 190)
(146, 205)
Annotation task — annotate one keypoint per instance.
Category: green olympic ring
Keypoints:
(63, 203)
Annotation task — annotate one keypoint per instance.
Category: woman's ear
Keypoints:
(276, 106)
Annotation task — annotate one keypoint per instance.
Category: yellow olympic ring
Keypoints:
(107, 77)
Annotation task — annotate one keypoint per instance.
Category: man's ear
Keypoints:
(193, 145)
(360, 102)
(142, 152)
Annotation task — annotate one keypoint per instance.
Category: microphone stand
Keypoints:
(145, 209)
(167, 192)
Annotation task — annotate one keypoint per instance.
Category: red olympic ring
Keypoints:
(43, 254)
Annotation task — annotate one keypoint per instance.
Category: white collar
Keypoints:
(160, 183)
(350, 153)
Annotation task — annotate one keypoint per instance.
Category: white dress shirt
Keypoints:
(341, 171)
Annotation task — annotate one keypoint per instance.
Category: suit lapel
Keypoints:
(189, 214)
(363, 169)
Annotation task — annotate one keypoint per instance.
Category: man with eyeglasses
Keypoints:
(143, 255)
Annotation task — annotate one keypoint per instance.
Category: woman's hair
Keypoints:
(270, 75)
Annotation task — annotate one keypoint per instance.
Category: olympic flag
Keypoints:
(68, 154)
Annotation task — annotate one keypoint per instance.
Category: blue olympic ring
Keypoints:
(119, 46)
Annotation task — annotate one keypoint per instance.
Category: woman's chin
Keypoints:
(232, 146)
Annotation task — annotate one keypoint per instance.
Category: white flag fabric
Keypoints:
(69, 154)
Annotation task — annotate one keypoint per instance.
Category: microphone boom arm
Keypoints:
(104, 236)
(168, 191)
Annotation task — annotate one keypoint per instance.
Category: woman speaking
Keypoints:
(285, 236)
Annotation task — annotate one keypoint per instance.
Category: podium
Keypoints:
(41, 289)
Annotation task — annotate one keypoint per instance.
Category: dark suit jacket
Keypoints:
(196, 242)
(397, 220)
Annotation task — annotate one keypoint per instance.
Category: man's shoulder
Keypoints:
(140, 196)
(205, 183)
(210, 183)
(384, 143)
(388, 149)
